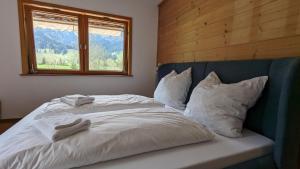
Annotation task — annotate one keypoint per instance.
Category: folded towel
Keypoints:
(52, 134)
(77, 100)
(62, 121)
(77, 96)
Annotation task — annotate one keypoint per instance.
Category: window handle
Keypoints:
(32, 69)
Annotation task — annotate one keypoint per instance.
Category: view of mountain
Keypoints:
(61, 41)
(58, 49)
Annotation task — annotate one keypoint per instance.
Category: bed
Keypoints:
(271, 135)
(220, 152)
(275, 116)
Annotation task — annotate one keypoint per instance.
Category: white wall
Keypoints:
(20, 95)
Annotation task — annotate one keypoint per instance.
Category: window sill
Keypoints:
(76, 74)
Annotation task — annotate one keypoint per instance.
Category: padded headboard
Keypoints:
(276, 114)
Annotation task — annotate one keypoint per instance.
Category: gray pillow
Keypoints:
(173, 88)
(223, 107)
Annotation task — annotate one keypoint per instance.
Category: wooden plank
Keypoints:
(229, 10)
(240, 52)
(228, 29)
(270, 30)
(211, 55)
(278, 47)
(238, 22)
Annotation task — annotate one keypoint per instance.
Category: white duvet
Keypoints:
(100, 104)
(113, 134)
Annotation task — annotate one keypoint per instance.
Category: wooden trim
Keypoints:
(112, 20)
(30, 40)
(85, 38)
(29, 64)
(73, 9)
(82, 42)
(162, 2)
(129, 47)
(37, 8)
(31, 46)
(25, 68)
(113, 74)
(125, 53)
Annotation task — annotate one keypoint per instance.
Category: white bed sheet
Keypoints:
(102, 103)
(112, 135)
(217, 154)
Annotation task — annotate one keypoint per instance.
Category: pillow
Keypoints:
(172, 89)
(223, 107)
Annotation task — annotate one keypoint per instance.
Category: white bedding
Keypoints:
(113, 135)
(217, 154)
(101, 103)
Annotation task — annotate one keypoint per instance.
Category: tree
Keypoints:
(44, 62)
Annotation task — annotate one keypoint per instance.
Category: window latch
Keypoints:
(32, 69)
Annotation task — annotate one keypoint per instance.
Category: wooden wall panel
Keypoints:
(202, 30)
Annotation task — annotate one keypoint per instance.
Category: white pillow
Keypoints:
(172, 89)
(223, 107)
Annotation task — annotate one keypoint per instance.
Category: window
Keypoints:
(64, 40)
(56, 41)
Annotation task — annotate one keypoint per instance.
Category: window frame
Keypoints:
(29, 66)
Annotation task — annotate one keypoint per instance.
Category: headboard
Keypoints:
(276, 114)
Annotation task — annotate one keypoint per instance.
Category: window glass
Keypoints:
(56, 41)
(106, 46)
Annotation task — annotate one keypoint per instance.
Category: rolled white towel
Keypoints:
(77, 100)
(55, 135)
(62, 121)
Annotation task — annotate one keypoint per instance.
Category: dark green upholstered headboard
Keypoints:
(277, 113)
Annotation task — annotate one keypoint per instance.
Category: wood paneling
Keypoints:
(202, 30)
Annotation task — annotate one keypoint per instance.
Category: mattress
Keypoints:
(112, 135)
(219, 153)
(216, 154)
